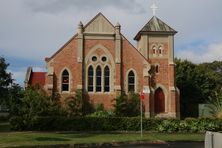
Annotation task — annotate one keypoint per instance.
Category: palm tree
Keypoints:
(216, 104)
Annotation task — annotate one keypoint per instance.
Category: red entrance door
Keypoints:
(159, 100)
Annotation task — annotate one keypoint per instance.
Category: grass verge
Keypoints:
(12, 139)
(4, 126)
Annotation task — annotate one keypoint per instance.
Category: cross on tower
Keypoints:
(154, 7)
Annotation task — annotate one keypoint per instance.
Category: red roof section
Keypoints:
(37, 78)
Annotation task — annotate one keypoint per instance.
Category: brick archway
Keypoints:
(159, 100)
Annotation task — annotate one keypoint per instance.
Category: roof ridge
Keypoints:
(155, 25)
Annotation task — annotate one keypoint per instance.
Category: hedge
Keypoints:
(115, 124)
(4, 118)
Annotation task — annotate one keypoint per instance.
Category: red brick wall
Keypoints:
(163, 75)
(131, 58)
(67, 58)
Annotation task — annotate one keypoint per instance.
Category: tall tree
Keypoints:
(216, 68)
(5, 80)
(196, 83)
(185, 79)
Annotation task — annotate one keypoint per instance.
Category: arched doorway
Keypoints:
(159, 100)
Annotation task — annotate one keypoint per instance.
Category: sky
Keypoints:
(31, 30)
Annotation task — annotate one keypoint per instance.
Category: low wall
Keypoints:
(4, 114)
(213, 140)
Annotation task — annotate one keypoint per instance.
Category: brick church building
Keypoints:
(101, 61)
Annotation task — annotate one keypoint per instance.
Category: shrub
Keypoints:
(4, 118)
(169, 125)
(88, 123)
(101, 112)
(127, 105)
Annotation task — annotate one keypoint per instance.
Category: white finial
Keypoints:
(154, 7)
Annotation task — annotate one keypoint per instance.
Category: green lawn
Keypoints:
(10, 139)
(4, 126)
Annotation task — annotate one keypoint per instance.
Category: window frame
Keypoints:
(134, 83)
(105, 77)
(98, 79)
(92, 77)
(63, 84)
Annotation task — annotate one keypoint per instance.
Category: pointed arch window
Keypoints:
(65, 80)
(98, 79)
(157, 69)
(90, 78)
(160, 49)
(154, 49)
(131, 81)
(106, 79)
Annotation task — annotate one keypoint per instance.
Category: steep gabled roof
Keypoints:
(33, 78)
(37, 78)
(155, 25)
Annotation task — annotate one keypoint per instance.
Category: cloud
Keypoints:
(18, 75)
(199, 53)
(32, 30)
(58, 6)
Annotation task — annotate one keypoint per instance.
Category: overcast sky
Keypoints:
(31, 30)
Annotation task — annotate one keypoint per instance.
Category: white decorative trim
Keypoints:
(49, 86)
(172, 63)
(117, 87)
(79, 86)
(172, 88)
(99, 46)
(50, 71)
(146, 89)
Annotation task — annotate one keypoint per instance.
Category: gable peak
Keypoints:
(99, 24)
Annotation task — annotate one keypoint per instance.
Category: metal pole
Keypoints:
(141, 120)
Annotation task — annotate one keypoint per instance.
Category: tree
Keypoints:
(78, 104)
(74, 104)
(216, 68)
(15, 94)
(185, 80)
(196, 83)
(32, 103)
(127, 105)
(5, 80)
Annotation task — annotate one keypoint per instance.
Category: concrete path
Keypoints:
(170, 145)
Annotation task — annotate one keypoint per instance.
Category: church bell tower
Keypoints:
(155, 41)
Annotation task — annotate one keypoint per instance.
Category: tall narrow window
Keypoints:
(106, 79)
(98, 79)
(65, 80)
(160, 50)
(157, 68)
(131, 81)
(154, 49)
(90, 79)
